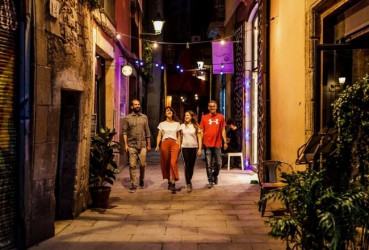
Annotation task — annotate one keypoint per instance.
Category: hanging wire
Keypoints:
(174, 43)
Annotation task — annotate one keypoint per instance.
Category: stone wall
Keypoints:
(63, 60)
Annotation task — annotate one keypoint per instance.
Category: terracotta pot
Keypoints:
(100, 196)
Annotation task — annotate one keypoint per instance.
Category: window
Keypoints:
(109, 9)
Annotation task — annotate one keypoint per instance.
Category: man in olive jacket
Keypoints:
(136, 137)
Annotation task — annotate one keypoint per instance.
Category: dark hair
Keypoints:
(193, 120)
(231, 121)
(174, 117)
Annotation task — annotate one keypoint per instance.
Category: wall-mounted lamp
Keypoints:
(342, 80)
(200, 64)
(127, 70)
(158, 23)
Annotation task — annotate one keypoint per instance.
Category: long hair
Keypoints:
(174, 117)
(193, 120)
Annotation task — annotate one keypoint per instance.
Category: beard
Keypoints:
(137, 110)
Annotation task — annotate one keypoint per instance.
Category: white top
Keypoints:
(169, 130)
(189, 138)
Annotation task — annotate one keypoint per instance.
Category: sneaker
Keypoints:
(141, 184)
(189, 188)
(210, 185)
(215, 178)
(132, 189)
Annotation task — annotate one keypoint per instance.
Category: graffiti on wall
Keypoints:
(8, 128)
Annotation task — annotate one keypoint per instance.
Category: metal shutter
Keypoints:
(8, 134)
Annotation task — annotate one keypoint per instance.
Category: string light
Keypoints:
(187, 44)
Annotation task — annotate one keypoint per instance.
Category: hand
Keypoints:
(199, 152)
(157, 148)
(148, 147)
(126, 147)
(225, 146)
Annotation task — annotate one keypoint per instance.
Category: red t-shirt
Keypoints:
(212, 125)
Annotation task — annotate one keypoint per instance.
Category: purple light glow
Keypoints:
(247, 136)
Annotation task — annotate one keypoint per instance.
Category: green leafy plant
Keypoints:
(351, 117)
(102, 165)
(147, 55)
(318, 217)
(328, 209)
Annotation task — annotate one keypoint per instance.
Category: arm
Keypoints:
(158, 139)
(148, 134)
(224, 136)
(199, 139)
(125, 143)
(125, 137)
(179, 137)
(148, 143)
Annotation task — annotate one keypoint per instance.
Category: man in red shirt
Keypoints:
(213, 127)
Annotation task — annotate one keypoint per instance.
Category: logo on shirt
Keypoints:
(216, 121)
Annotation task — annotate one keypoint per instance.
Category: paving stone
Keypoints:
(224, 217)
(179, 246)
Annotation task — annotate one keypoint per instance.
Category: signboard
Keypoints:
(222, 57)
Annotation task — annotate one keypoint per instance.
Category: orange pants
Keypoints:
(169, 152)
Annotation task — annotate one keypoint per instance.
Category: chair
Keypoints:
(269, 174)
(235, 154)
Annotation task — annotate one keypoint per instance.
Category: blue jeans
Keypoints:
(213, 167)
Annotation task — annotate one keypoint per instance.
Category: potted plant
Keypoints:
(102, 166)
(328, 209)
(318, 217)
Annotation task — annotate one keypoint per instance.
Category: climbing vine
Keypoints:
(147, 57)
(351, 116)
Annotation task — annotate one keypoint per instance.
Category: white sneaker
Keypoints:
(189, 188)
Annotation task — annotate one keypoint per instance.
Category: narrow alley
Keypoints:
(224, 217)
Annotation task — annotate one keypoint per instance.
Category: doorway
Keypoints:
(67, 158)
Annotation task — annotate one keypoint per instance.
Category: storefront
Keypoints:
(341, 55)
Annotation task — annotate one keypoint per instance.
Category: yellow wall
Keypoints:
(287, 78)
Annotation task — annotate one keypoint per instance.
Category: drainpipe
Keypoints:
(24, 109)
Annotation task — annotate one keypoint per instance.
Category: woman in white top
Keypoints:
(191, 145)
(170, 139)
